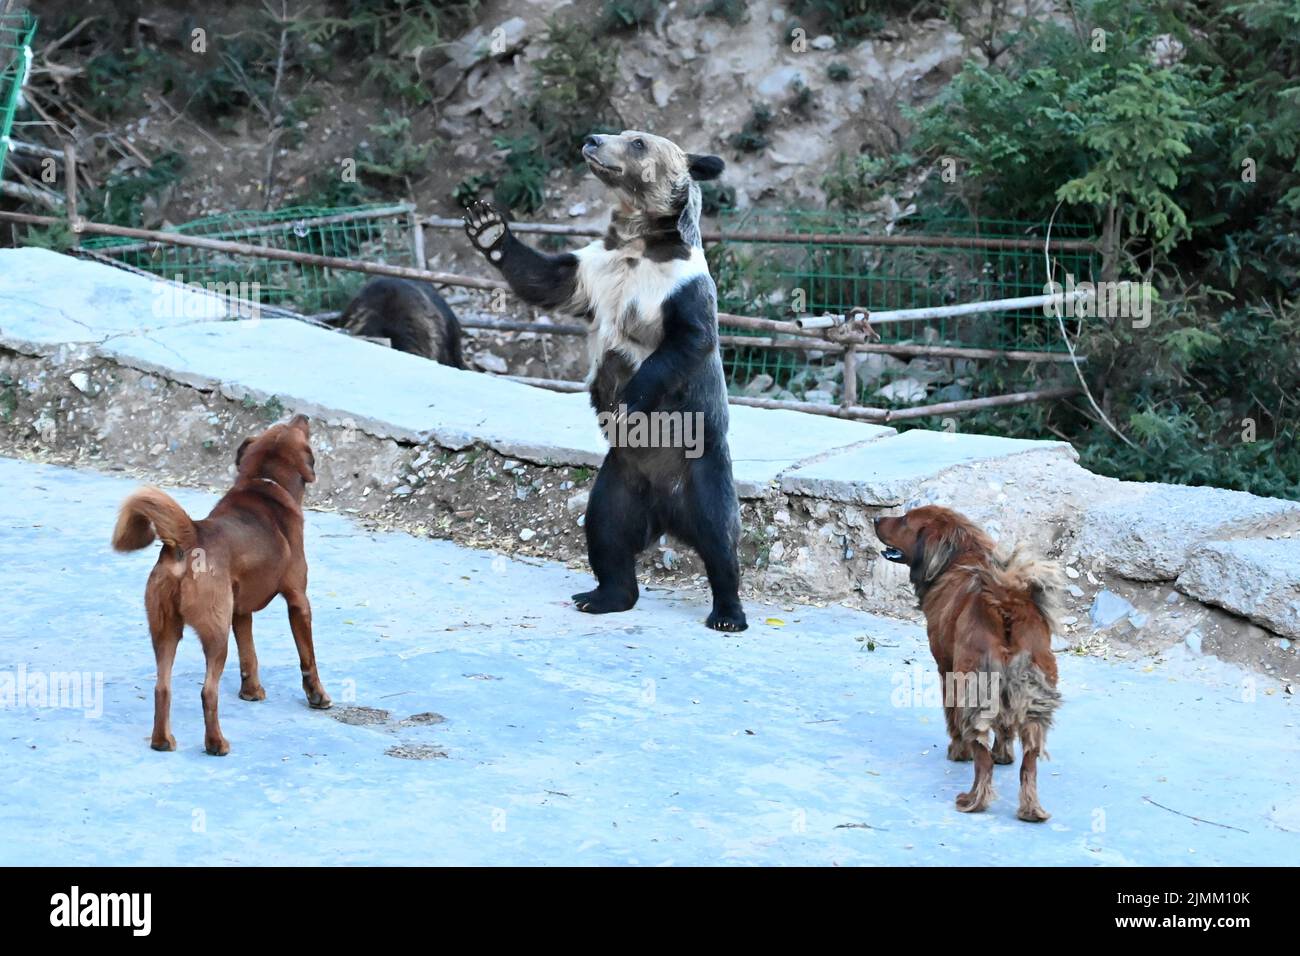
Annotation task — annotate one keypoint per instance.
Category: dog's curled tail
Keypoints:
(150, 513)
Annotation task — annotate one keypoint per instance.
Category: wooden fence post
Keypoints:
(417, 238)
(849, 395)
(70, 192)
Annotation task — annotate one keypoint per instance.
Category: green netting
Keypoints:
(754, 277)
(761, 278)
(16, 30)
(376, 233)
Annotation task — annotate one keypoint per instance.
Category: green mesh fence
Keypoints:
(376, 233)
(761, 279)
(16, 31)
(757, 278)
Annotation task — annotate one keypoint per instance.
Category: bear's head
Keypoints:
(653, 177)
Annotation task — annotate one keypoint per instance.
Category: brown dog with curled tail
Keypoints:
(215, 573)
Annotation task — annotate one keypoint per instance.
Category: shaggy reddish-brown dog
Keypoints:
(990, 619)
(213, 574)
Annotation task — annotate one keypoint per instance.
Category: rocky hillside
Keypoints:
(269, 110)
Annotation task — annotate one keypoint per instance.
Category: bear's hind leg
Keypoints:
(711, 524)
(618, 527)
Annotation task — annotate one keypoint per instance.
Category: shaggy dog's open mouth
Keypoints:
(892, 554)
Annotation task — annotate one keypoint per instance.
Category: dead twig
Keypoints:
(31, 194)
(55, 44)
(275, 118)
(241, 77)
(1190, 817)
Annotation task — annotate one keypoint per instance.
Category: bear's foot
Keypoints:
(727, 620)
(601, 601)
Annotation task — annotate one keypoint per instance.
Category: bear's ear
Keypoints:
(704, 167)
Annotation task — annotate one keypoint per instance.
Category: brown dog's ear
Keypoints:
(243, 447)
(931, 558)
(302, 423)
(940, 555)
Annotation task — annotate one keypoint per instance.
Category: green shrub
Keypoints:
(391, 153)
(1150, 150)
(121, 198)
(801, 99)
(225, 81)
(570, 98)
(753, 136)
(521, 184)
(734, 12)
(471, 187)
(852, 20)
(715, 197)
(57, 237)
(392, 36)
(327, 187)
(572, 91)
(856, 182)
(115, 83)
(620, 15)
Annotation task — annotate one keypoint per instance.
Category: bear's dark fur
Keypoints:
(410, 314)
(653, 343)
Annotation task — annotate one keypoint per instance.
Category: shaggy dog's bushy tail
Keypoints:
(1041, 580)
(150, 513)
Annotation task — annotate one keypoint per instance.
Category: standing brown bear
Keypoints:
(646, 292)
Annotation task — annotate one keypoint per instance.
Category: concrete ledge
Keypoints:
(54, 300)
(392, 394)
(890, 471)
(387, 393)
(1145, 531)
(1258, 579)
(48, 300)
(766, 443)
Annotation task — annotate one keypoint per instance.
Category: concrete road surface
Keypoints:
(479, 719)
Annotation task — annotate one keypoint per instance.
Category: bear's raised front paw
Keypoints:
(486, 229)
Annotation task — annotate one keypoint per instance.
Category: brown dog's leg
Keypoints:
(981, 791)
(216, 644)
(958, 749)
(250, 687)
(1033, 737)
(300, 624)
(1004, 748)
(165, 626)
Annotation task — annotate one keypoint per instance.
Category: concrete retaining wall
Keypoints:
(101, 366)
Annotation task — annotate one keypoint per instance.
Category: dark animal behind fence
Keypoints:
(410, 314)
